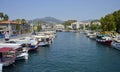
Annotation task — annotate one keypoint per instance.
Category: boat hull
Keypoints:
(104, 41)
(115, 45)
(42, 44)
(22, 56)
(9, 62)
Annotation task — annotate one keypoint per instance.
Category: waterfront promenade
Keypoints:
(17, 36)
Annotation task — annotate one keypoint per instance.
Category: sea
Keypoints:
(70, 52)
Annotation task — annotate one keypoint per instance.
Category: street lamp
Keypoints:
(9, 28)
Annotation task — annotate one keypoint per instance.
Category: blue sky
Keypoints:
(60, 9)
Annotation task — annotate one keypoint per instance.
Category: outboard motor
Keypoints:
(25, 45)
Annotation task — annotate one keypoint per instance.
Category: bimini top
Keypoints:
(5, 49)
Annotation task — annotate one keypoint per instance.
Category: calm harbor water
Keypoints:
(70, 52)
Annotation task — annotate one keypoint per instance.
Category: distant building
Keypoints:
(8, 26)
(96, 22)
(12, 26)
(69, 27)
(47, 27)
(77, 25)
(59, 27)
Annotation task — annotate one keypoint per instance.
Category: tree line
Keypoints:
(3, 17)
(111, 22)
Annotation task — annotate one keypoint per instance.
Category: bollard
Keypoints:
(1, 67)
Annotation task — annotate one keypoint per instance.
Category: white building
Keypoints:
(96, 22)
(47, 27)
(77, 25)
(59, 27)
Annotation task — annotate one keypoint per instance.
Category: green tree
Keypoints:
(94, 26)
(5, 17)
(111, 22)
(103, 24)
(107, 23)
(18, 28)
(39, 28)
(1, 15)
(23, 22)
(34, 28)
(18, 21)
(116, 15)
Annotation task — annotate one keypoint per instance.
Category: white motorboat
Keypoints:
(21, 52)
(116, 44)
(7, 56)
(43, 40)
(104, 39)
(32, 42)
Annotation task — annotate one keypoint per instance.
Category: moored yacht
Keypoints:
(43, 40)
(21, 52)
(103, 39)
(7, 56)
(91, 35)
(30, 42)
(116, 43)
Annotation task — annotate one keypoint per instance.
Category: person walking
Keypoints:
(7, 35)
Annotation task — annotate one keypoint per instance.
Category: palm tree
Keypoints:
(1, 15)
(18, 21)
(23, 22)
(18, 26)
(6, 17)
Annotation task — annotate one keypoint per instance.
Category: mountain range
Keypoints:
(52, 20)
(49, 20)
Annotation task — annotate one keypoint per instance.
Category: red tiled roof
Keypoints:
(8, 22)
(5, 49)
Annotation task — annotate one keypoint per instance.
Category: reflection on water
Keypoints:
(44, 52)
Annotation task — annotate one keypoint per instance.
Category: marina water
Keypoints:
(70, 52)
